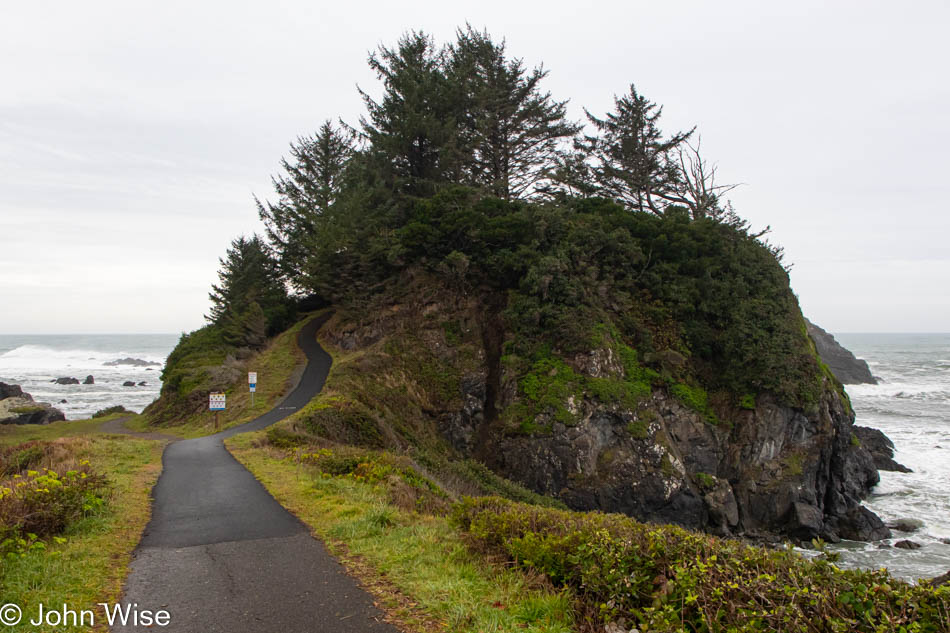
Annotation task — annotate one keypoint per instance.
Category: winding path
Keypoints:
(220, 554)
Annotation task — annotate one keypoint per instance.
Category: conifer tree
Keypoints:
(311, 183)
(248, 277)
(510, 130)
(412, 130)
(632, 161)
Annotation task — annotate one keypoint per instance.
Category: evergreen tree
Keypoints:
(412, 130)
(633, 162)
(249, 277)
(510, 130)
(311, 184)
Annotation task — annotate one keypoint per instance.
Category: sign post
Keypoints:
(216, 402)
(252, 383)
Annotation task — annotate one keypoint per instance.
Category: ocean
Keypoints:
(911, 405)
(32, 361)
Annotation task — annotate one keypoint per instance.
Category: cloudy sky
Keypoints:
(134, 134)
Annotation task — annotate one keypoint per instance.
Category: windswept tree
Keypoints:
(412, 129)
(250, 301)
(698, 189)
(510, 130)
(632, 161)
(310, 184)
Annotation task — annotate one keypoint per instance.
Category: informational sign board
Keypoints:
(252, 377)
(217, 402)
(253, 387)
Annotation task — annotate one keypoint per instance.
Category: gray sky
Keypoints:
(133, 135)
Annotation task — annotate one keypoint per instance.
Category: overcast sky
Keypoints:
(134, 134)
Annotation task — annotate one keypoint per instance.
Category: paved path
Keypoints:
(220, 554)
(117, 426)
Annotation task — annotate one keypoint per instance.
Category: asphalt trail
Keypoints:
(220, 554)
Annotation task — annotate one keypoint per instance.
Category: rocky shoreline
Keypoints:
(18, 407)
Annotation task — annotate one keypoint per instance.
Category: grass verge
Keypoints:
(87, 563)
(417, 565)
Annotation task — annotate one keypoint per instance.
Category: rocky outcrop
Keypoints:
(67, 380)
(18, 407)
(12, 391)
(128, 383)
(843, 364)
(134, 362)
(90, 380)
(881, 449)
(774, 470)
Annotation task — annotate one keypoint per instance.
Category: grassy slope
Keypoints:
(276, 367)
(91, 565)
(417, 565)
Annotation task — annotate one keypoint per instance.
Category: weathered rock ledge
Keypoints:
(18, 407)
(843, 364)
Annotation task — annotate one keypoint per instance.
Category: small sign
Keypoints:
(252, 377)
(217, 401)
(253, 387)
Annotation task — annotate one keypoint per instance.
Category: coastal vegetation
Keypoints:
(529, 318)
(73, 504)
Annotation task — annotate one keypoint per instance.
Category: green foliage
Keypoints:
(101, 413)
(855, 441)
(282, 438)
(639, 429)
(705, 481)
(694, 398)
(747, 402)
(664, 578)
(251, 301)
(39, 504)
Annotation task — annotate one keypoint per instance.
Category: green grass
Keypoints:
(275, 365)
(19, 433)
(90, 565)
(418, 566)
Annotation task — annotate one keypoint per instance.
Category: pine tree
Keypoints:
(412, 130)
(248, 277)
(510, 130)
(633, 162)
(312, 183)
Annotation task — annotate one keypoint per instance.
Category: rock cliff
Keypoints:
(843, 364)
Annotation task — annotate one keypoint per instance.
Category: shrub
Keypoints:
(101, 413)
(669, 579)
(41, 504)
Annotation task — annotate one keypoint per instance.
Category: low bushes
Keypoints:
(42, 503)
(665, 578)
(101, 413)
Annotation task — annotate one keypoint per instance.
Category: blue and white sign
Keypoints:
(217, 402)
(253, 387)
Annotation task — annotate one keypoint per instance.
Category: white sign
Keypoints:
(217, 401)
(252, 377)
(253, 387)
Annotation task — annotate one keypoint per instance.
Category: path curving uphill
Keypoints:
(220, 554)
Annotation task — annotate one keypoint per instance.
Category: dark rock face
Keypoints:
(89, 380)
(907, 545)
(13, 391)
(18, 407)
(843, 364)
(881, 448)
(134, 362)
(128, 383)
(940, 581)
(776, 471)
(67, 381)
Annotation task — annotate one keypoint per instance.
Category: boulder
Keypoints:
(860, 524)
(89, 380)
(843, 364)
(805, 521)
(13, 391)
(128, 383)
(142, 384)
(67, 381)
(63, 402)
(18, 410)
(906, 525)
(880, 447)
(905, 544)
